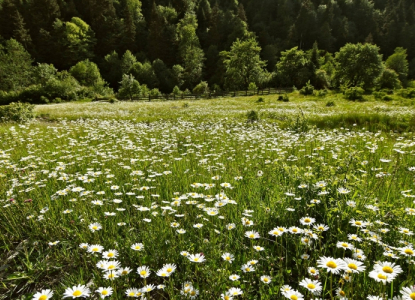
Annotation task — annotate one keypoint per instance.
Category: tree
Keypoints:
(76, 40)
(15, 66)
(42, 73)
(399, 63)
(358, 65)
(243, 64)
(87, 73)
(20, 33)
(129, 87)
(294, 68)
(127, 61)
(389, 79)
(191, 55)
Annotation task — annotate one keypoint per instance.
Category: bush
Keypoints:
(354, 93)
(330, 104)
(407, 93)
(252, 86)
(389, 79)
(379, 95)
(322, 93)
(260, 100)
(201, 88)
(176, 90)
(387, 98)
(113, 100)
(17, 112)
(308, 89)
(252, 116)
(283, 98)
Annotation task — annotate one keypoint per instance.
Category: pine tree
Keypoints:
(20, 33)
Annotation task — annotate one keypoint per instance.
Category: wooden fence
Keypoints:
(211, 95)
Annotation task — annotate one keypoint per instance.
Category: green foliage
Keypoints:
(330, 104)
(87, 73)
(15, 66)
(399, 63)
(129, 87)
(260, 100)
(252, 86)
(76, 40)
(191, 55)
(294, 68)
(299, 123)
(358, 65)
(354, 93)
(322, 79)
(284, 98)
(389, 79)
(407, 93)
(201, 88)
(16, 112)
(252, 116)
(176, 90)
(155, 92)
(308, 89)
(243, 64)
(42, 73)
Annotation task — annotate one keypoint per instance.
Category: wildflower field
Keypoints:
(177, 200)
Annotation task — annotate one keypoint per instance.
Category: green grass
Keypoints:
(280, 164)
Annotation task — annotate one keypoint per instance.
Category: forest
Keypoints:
(68, 49)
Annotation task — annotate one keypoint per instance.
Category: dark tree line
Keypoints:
(179, 43)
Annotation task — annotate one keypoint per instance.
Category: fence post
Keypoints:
(149, 98)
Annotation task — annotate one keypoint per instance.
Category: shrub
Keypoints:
(308, 89)
(201, 88)
(252, 86)
(252, 116)
(283, 98)
(113, 100)
(176, 90)
(17, 112)
(354, 93)
(155, 93)
(379, 95)
(260, 100)
(322, 93)
(330, 104)
(407, 93)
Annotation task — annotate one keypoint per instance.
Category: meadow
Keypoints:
(194, 200)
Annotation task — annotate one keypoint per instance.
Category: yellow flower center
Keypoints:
(412, 296)
(137, 247)
(321, 228)
(193, 293)
(307, 220)
(342, 293)
(131, 294)
(281, 229)
(104, 292)
(248, 269)
(381, 276)
(352, 266)
(295, 230)
(312, 271)
(251, 236)
(358, 223)
(77, 293)
(409, 251)
(196, 259)
(112, 275)
(124, 272)
(311, 286)
(387, 269)
(110, 254)
(345, 245)
(331, 264)
(275, 232)
(226, 297)
(169, 270)
(110, 267)
(94, 227)
(293, 297)
(228, 258)
(163, 274)
(405, 231)
(43, 297)
(306, 240)
(143, 273)
(266, 279)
